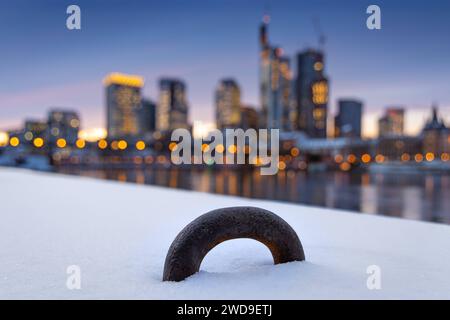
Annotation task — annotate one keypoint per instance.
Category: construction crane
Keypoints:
(318, 29)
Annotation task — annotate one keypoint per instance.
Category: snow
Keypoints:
(118, 234)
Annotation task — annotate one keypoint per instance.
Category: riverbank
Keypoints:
(118, 235)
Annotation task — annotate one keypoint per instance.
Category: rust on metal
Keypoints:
(207, 231)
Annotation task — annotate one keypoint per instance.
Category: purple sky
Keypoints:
(407, 63)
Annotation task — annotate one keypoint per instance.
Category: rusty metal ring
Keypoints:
(207, 231)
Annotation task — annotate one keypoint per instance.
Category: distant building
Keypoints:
(436, 136)
(396, 148)
(347, 122)
(63, 124)
(392, 123)
(249, 118)
(275, 83)
(312, 94)
(228, 104)
(147, 116)
(172, 111)
(34, 129)
(123, 103)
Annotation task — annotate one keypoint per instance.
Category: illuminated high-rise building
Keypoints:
(63, 124)
(123, 103)
(347, 122)
(275, 78)
(228, 104)
(172, 111)
(392, 123)
(311, 94)
(264, 67)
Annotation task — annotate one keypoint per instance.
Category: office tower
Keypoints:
(264, 69)
(63, 124)
(347, 122)
(275, 79)
(249, 118)
(228, 104)
(392, 123)
(147, 116)
(123, 102)
(312, 94)
(172, 111)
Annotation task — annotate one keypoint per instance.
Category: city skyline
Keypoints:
(70, 83)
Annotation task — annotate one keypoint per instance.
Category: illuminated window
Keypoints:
(338, 158)
(320, 92)
(318, 114)
(318, 66)
(418, 157)
(232, 149)
(205, 147)
(445, 157)
(14, 142)
(102, 144)
(379, 158)
(38, 142)
(173, 146)
(351, 158)
(74, 123)
(61, 143)
(122, 144)
(220, 148)
(80, 143)
(345, 166)
(28, 136)
(4, 138)
(366, 158)
(140, 145)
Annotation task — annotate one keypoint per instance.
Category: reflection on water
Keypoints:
(419, 196)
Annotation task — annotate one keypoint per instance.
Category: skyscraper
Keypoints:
(347, 123)
(123, 102)
(172, 111)
(312, 94)
(147, 116)
(264, 69)
(63, 124)
(228, 104)
(392, 123)
(275, 82)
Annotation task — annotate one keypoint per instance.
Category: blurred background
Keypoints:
(364, 114)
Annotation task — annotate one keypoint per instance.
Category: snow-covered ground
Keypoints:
(118, 234)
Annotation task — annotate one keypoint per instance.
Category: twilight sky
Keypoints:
(42, 64)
